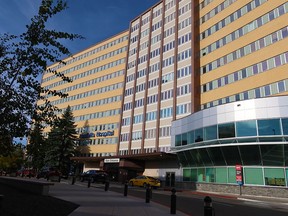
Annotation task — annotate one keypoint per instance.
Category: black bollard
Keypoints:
(125, 189)
(208, 210)
(106, 186)
(148, 191)
(173, 201)
(89, 182)
(73, 180)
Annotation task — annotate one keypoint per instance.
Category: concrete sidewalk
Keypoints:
(98, 202)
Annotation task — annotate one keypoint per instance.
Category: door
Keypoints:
(170, 179)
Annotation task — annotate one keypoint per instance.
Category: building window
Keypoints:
(269, 127)
(246, 128)
(226, 130)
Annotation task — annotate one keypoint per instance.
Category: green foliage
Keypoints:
(62, 142)
(23, 59)
(13, 161)
(37, 147)
(6, 145)
(84, 131)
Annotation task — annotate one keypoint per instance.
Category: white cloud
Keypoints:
(28, 8)
(15, 14)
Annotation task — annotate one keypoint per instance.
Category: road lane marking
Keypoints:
(250, 200)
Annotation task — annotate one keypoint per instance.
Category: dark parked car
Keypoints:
(51, 173)
(94, 176)
(43, 173)
(54, 174)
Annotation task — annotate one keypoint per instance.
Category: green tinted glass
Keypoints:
(231, 175)
(210, 133)
(178, 140)
(199, 135)
(221, 175)
(274, 176)
(285, 126)
(190, 137)
(253, 176)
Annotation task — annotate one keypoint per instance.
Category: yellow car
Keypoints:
(144, 181)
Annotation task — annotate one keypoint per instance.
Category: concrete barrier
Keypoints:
(27, 185)
(1, 200)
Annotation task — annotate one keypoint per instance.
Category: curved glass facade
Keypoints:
(264, 130)
(211, 150)
(262, 176)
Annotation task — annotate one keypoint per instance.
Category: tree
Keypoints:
(12, 162)
(62, 142)
(84, 138)
(6, 144)
(36, 149)
(22, 60)
(53, 147)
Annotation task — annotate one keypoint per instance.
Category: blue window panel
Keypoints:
(257, 93)
(269, 127)
(246, 128)
(190, 137)
(285, 126)
(267, 90)
(199, 135)
(210, 133)
(281, 86)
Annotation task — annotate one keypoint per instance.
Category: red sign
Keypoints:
(239, 174)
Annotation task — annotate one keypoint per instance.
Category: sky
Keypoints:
(96, 20)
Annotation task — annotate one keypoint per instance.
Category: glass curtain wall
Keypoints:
(258, 176)
(260, 146)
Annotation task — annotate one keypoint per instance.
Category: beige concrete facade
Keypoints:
(183, 56)
(155, 95)
(95, 94)
(256, 44)
(235, 50)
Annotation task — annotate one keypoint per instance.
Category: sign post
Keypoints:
(239, 176)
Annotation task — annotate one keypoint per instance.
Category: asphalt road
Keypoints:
(192, 203)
